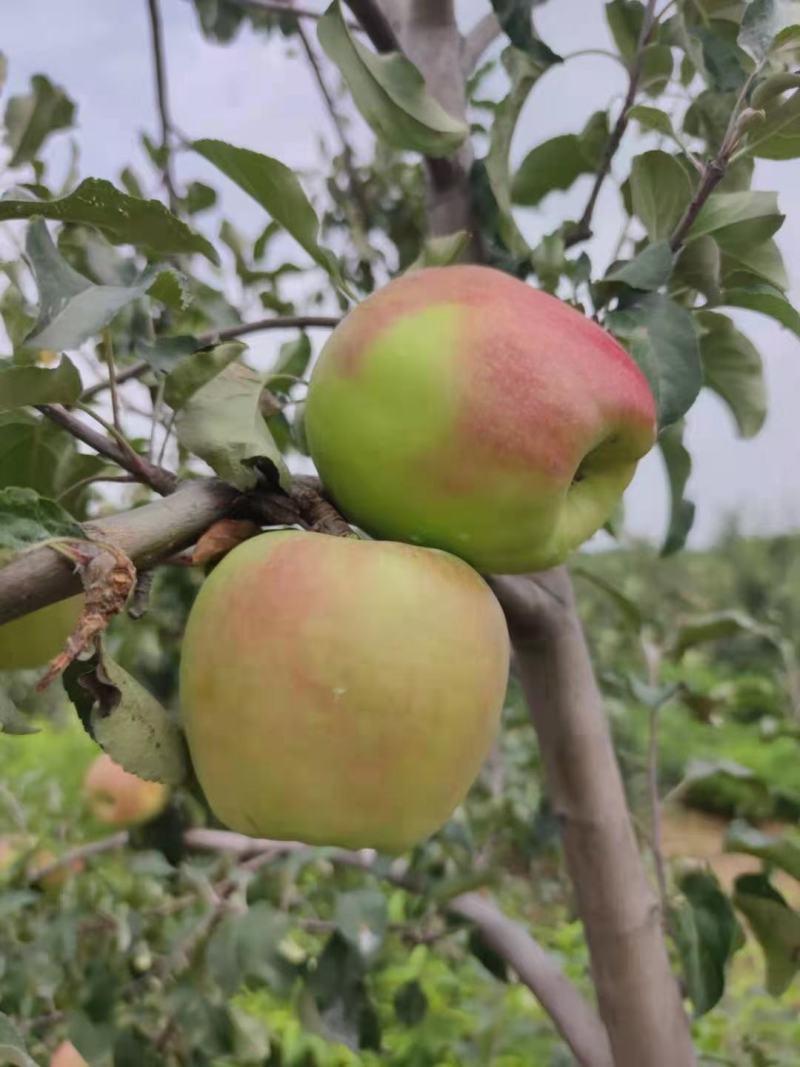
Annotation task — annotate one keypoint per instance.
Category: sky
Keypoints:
(259, 94)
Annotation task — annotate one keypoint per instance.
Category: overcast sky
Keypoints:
(253, 94)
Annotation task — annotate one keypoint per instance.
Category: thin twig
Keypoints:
(229, 333)
(82, 852)
(582, 231)
(156, 418)
(108, 352)
(356, 187)
(162, 481)
(167, 432)
(129, 478)
(159, 63)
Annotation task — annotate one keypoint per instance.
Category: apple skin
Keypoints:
(32, 640)
(340, 691)
(460, 408)
(118, 798)
(66, 1055)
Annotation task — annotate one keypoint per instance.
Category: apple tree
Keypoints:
(144, 449)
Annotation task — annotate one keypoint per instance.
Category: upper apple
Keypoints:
(460, 408)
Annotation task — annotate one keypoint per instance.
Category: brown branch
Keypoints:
(582, 230)
(162, 99)
(287, 7)
(637, 993)
(146, 534)
(82, 852)
(375, 24)
(475, 43)
(162, 481)
(229, 333)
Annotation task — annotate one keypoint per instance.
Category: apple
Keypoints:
(32, 640)
(460, 408)
(55, 879)
(341, 691)
(66, 1055)
(119, 798)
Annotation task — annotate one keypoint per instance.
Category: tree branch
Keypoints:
(582, 230)
(159, 63)
(162, 481)
(475, 43)
(286, 7)
(638, 995)
(229, 333)
(146, 534)
(375, 24)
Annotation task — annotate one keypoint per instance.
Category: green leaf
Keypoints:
(625, 19)
(628, 608)
(164, 352)
(657, 64)
(779, 136)
(516, 19)
(410, 1003)
(732, 367)
(21, 386)
(766, 300)
(27, 518)
(660, 336)
(389, 92)
(651, 118)
(660, 190)
(557, 163)
(763, 262)
(276, 188)
(707, 935)
(678, 463)
(223, 425)
(195, 370)
(71, 308)
(699, 266)
(30, 119)
(343, 1012)
(124, 219)
(738, 219)
(763, 21)
(775, 925)
(523, 73)
(12, 1046)
(441, 251)
(722, 58)
(293, 359)
(714, 627)
(12, 720)
(130, 724)
(171, 288)
(773, 86)
(362, 918)
(246, 948)
(650, 270)
(783, 852)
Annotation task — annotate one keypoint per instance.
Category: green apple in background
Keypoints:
(32, 640)
(118, 798)
(460, 408)
(341, 691)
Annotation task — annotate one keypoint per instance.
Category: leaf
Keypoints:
(344, 1012)
(678, 463)
(32, 118)
(660, 190)
(362, 918)
(12, 720)
(780, 852)
(293, 359)
(763, 21)
(707, 935)
(661, 338)
(410, 1003)
(195, 370)
(124, 219)
(389, 92)
(657, 64)
(441, 251)
(624, 19)
(732, 367)
(222, 424)
(768, 301)
(130, 724)
(171, 288)
(714, 627)
(775, 925)
(722, 60)
(523, 73)
(22, 386)
(276, 188)
(165, 352)
(698, 266)
(71, 308)
(762, 262)
(651, 118)
(736, 219)
(12, 1046)
(628, 608)
(246, 948)
(516, 19)
(557, 163)
(27, 518)
(779, 136)
(650, 270)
